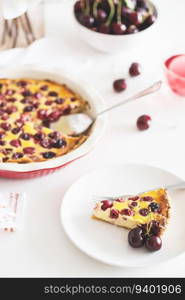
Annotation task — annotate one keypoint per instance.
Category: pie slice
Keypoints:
(139, 210)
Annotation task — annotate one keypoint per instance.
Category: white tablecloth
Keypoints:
(42, 248)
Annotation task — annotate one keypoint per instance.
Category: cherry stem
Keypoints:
(95, 8)
(87, 7)
(119, 11)
(112, 12)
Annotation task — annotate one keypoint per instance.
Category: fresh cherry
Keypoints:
(143, 122)
(87, 21)
(135, 237)
(132, 29)
(135, 18)
(153, 243)
(119, 85)
(118, 28)
(103, 28)
(101, 16)
(135, 69)
(78, 7)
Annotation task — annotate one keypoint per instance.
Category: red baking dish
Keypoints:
(35, 169)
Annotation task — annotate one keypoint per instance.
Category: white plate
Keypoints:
(108, 243)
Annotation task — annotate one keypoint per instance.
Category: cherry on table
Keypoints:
(119, 85)
(143, 122)
(135, 69)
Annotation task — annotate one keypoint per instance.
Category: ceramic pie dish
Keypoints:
(38, 168)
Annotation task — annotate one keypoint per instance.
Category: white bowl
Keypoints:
(115, 43)
(82, 88)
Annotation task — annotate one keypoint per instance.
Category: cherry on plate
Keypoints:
(135, 237)
(153, 243)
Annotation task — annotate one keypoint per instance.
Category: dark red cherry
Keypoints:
(114, 214)
(60, 143)
(132, 29)
(15, 143)
(143, 122)
(87, 21)
(118, 28)
(29, 150)
(135, 69)
(127, 212)
(134, 198)
(103, 28)
(150, 20)
(106, 204)
(135, 237)
(142, 3)
(78, 6)
(153, 243)
(154, 206)
(135, 18)
(144, 212)
(5, 126)
(147, 198)
(101, 16)
(48, 155)
(119, 85)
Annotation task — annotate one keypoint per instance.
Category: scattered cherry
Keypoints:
(153, 243)
(135, 69)
(119, 85)
(143, 122)
(135, 237)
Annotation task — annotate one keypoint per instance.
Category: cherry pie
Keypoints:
(27, 108)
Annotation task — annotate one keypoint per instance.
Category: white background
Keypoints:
(42, 248)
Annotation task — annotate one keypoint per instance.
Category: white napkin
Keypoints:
(14, 8)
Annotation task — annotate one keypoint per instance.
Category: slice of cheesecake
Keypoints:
(136, 210)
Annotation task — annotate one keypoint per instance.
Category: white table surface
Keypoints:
(42, 248)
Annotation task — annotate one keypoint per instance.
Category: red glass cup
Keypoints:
(175, 73)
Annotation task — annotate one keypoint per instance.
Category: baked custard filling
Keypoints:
(27, 109)
(136, 210)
